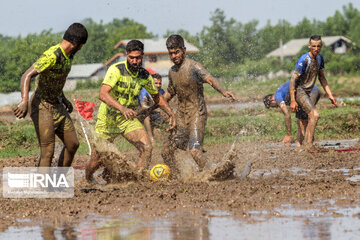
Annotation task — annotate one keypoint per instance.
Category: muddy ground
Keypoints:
(279, 175)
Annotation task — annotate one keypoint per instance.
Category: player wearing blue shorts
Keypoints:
(146, 101)
(307, 69)
(281, 99)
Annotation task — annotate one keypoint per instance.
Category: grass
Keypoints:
(251, 89)
(18, 138)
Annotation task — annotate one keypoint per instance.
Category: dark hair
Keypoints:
(267, 100)
(134, 45)
(156, 75)
(175, 41)
(315, 38)
(76, 34)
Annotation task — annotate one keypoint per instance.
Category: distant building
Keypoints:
(83, 72)
(156, 55)
(339, 44)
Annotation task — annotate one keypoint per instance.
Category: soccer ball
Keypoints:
(159, 171)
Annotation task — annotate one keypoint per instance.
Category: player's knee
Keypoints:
(316, 115)
(147, 147)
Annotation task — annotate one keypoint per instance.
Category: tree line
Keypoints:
(227, 47)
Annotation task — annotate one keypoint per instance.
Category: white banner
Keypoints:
(38, 182)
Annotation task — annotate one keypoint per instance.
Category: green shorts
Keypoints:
(111, 131)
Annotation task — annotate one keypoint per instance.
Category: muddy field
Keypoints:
(279, 176)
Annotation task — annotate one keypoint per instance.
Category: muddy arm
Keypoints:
(167, 96)
(287, 118)
(164, 105)
(105, 96)
(67, 103)
(217, 86)
(21, 110)
(324, 84)
(293, 104)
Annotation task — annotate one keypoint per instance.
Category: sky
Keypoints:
(21, 17)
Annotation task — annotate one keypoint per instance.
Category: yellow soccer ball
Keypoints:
(159, 171)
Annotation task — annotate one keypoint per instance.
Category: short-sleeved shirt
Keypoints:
(282, 94)
(308, 69)
(146, 98)
(187, 82)
(126, 88)
(53, 67)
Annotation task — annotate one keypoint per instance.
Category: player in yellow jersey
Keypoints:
(49, 107)
(119, 95)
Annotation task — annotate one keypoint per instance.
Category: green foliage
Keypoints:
(227, 47)
(19, 53)
(249, 69)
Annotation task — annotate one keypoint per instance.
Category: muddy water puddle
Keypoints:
(326, 144)
(283, 223)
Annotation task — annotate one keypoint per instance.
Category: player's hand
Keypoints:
(286, 140)
(68, 105)
(333, 101)
(172, 122)
(294, 106)
(21, 110)
(229, 95)
(128, 113)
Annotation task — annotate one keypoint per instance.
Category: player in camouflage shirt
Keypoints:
(117, 116)
(49, 107)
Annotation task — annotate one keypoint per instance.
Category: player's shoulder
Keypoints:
(193, 63)
(53, 51)
(119, 67)
(321, 57)
(304, 57)
(143, 73)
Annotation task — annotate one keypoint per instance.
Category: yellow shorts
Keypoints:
(111, 131)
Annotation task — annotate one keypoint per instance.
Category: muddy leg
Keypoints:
(148, 129)
(71, 143)
(310, 129)
(140, 140)
(46, 136)
(198, 157)
(302, 124)
(92, 165)
(168, 155)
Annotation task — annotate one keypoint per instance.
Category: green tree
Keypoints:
(269, 36)
(21, 54)
(97, 48)
(227, 41)
(304, 29)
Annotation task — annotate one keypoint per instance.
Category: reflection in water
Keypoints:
(67, 232)
(180, 227)
(317, 228)
(337, 223)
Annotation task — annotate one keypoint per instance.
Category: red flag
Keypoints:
(85, 109)
(151, 71)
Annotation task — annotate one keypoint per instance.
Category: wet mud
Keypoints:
(277, 176)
